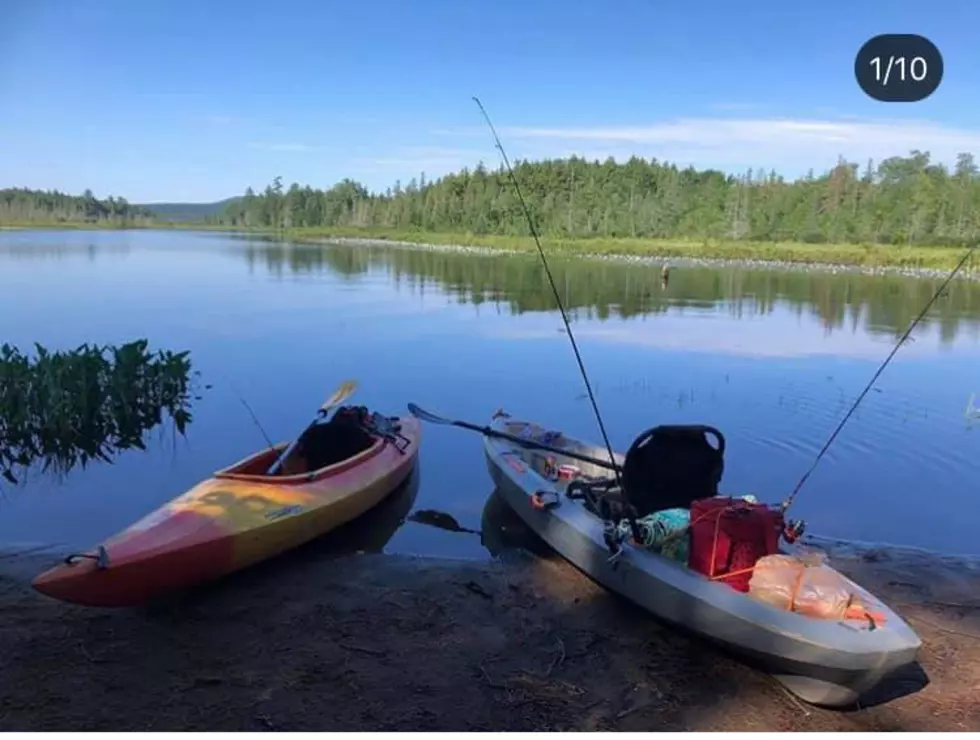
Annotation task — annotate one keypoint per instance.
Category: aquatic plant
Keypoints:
(66, 408)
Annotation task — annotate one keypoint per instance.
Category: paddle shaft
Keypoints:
(490, 432)
(281, 460)
(339, 396)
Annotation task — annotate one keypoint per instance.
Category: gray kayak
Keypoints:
(824, 662)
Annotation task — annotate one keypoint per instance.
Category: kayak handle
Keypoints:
(101, 557)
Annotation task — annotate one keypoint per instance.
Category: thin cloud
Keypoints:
(719, 132)
(798, 337)
(781, 143)
(458, 131)
(218, 120)
(442, 152)
(772, 140)
(432, 160)
(284, 146)
(736, 106)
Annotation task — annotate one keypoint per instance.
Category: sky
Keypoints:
(177, 100)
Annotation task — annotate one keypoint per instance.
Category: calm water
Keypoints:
(772, 358)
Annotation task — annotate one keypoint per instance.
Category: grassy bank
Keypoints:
(858, 255)
(837, 254)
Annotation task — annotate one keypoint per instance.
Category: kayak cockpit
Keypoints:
(324, 449)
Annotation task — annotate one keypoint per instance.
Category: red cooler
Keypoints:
(728, 536)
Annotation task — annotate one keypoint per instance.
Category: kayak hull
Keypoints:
(824, 662)
(230, 521)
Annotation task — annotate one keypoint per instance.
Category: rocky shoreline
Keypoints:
(653, 260)
(313, 641)
(658, 261)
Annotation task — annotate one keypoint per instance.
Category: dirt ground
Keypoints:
(385, 642)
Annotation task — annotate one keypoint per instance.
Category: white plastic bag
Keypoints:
(804, 585)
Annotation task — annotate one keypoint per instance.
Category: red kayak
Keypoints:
(242, 515)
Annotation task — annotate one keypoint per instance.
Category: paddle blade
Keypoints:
(420, 413)
(345, 391)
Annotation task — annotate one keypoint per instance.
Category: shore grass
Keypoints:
(862, 255)
(851, 255)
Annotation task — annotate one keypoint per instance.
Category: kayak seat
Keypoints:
(668, 467)
(327, 444)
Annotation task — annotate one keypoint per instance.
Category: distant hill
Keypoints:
(185, 212)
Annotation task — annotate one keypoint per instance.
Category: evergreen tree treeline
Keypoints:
(900, 200)
(40, 206)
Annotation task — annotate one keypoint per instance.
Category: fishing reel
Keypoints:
(387, 428)
(614, 542)
(793, 530)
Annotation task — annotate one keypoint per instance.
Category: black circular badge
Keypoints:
(899, 68)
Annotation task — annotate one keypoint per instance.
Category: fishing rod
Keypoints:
(255, 419)
(881, 368)
(554, 290)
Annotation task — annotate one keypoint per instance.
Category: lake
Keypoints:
(771, 357)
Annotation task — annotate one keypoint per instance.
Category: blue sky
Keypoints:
(177, 100)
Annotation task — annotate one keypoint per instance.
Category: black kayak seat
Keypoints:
(670, 466)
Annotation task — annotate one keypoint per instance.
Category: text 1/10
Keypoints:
(916, 69)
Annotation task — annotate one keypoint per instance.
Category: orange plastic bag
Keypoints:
(807, 586)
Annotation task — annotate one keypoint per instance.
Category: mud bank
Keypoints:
(384, 642)
(659, 260)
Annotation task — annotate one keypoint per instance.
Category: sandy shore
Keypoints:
(384, 642)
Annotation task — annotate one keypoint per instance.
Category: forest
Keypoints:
(21, 205)
(899, 200)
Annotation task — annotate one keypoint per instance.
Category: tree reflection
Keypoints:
(883, 304)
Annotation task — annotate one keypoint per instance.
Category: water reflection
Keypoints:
(846, 302)
(972, 409)
(503, 532)
(25, 246)
(781, 356)
(778, 358)
(440, 520)
(373, 530)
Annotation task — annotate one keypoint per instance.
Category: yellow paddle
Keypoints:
(343, 392)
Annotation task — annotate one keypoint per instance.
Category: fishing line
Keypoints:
(904, 338)
(251, 413)
(554, 289)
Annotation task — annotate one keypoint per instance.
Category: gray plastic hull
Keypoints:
(823, 662)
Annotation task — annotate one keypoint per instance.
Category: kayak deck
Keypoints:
(241, 516)
(823, 661)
